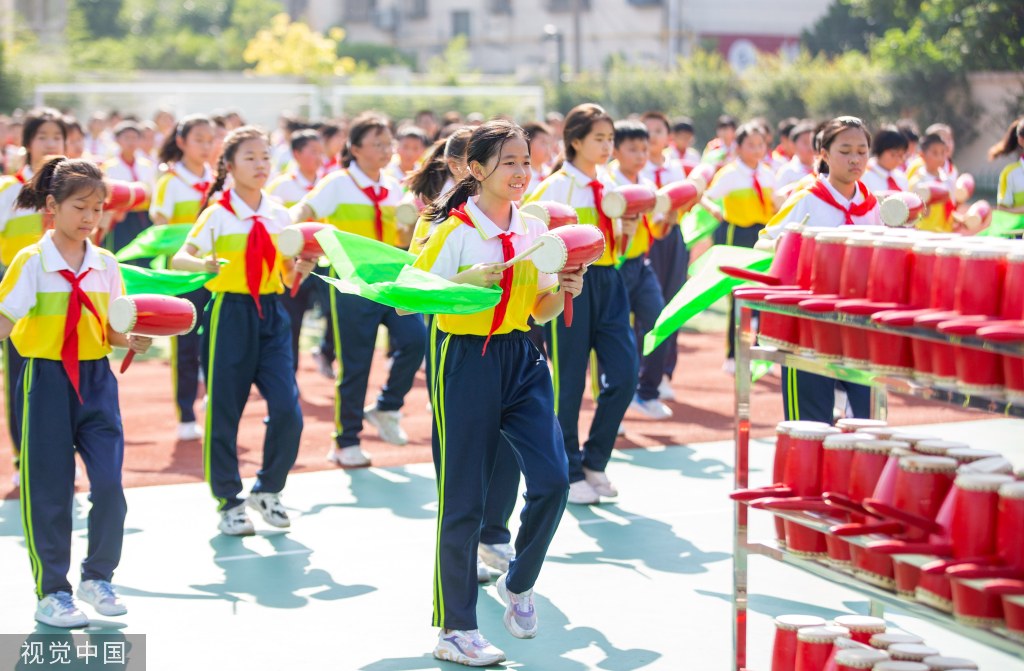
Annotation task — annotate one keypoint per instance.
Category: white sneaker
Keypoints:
(497, 555)
(189, 431)
(520, 615)
(729, 366)
(234, 522)
(665, 390)
(322, 364)
(466, 647)
(59, 610)
(483, 574)
(348, 457)
(652, 409)
(387, 424)
(582, 493)
(268, 505)
(100, 595)
(599, 481)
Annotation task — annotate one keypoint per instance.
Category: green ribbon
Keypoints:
(697, 224)
(704, 288)
(165, 282)
(1004, 225)
(384, 274)
(155, 241)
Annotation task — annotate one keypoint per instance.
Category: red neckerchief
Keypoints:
(376, 197)
(131, 169)
(69, 348)
(659, 170)
(20, 176)
(201, 186)
(782, 152)
(761, 196)
(603, 221)
(507, 252)
(259, 252)
(856, 209)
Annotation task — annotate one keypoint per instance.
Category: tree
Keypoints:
(840, 30)
(10, 85)
(292, 48)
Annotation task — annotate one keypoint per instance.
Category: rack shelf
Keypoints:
(881, 386)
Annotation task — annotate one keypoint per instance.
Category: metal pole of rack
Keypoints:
(744, 340)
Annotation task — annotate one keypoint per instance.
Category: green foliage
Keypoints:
(453, 66)
(838, 31)
(374, 55)
(10, 85)
(102, 17)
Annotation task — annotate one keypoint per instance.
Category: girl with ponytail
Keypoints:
(1010, 196)
(601, 323)
(43, 136)
(68, 393)
(443, 166)
(180, 195)
(246, 332)
(360, 198)
(491, 390)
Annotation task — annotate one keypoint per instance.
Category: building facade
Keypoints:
(517, 36)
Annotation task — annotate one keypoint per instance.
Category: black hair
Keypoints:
(232, 141)
(786, 126)
(127, 127)
(628, 129)
(300, 138)
(413, 132)
(659, 116)
(683, 124)
(909, 129)
(535, 128)
(1011, 141)
(60, 177)
(72, 124)
(170, 151)
(930, 140)
(888, 137)
(368, 123)
(803, 127)
(428, 180)
(35, 120)
(329, 130)
(748, 129)
(831, 131)
(485, 143)
(578, 124)
(726, 121)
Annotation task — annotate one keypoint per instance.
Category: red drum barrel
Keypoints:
(568, 248)
(677, 196)
(814, 646)
(964, 188)
(784, 648)
(123, 195)
(150, 315)
(862, 627)
(701, 175)
(978, 216)
(783, 270)
(629, 200)
(299, 241)
(552, 213)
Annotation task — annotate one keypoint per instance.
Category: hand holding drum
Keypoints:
(628, 202)
(964, 188)
(150, 315)
(298, 241)
(565, 249)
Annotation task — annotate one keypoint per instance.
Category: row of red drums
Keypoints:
(933, 520)
(809, 643)
(950, 285)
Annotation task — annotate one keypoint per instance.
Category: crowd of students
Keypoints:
(506, 384)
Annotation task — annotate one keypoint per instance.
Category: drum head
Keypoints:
(122, 314)
(291, 241)
(552, 255)
(613, 204)
(537, 210)
(894, 212)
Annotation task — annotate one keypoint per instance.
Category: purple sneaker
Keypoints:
(520, 616)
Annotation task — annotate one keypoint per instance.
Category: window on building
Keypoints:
(360, 11)
(567, 5)
(501, 7)
(460, 23)
(417, 9)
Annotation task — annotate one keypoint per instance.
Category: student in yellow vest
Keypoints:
(601, 315)
(288, 189)
(69, 393)
(492, 381)
(888, 148)
(176, 200)
(1010, 195)
(442, 167)
(668, 255)
(945, 132)
(645, 299)
(745, 187)
(246, 339)
(933, 156)
(360, 198)
(129, 165)
(42, 136)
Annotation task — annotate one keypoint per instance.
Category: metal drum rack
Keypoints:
(881, 386)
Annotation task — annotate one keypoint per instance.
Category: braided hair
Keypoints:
(232, 142)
